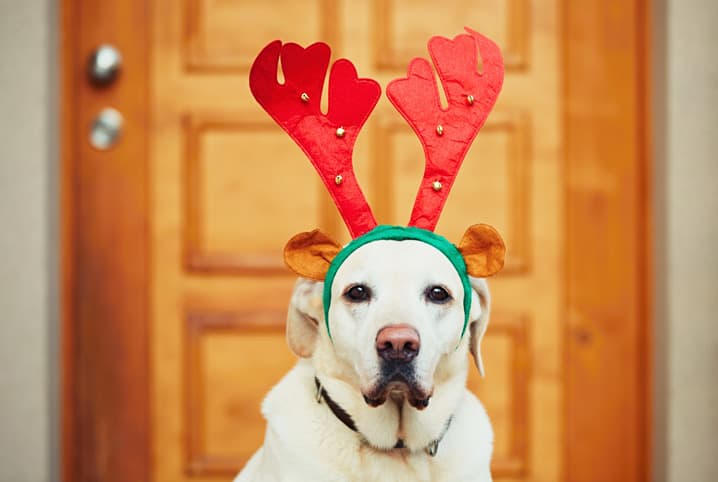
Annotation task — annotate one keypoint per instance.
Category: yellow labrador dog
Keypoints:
(384, 398)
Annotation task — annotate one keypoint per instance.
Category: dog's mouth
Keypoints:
(399, 385)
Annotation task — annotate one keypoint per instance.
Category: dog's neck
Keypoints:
(395, 424)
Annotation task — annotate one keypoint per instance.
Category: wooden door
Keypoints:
(220, 188)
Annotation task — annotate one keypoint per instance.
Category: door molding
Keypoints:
(105, 300)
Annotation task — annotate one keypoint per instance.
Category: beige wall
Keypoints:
(687, 240)
(28, 331)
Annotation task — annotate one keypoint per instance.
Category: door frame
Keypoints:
(608, 318)
(105, 390)
(105, 416)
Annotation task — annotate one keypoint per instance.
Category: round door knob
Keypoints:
(104, 64)
(106, 129)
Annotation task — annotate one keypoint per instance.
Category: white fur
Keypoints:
(304, 441)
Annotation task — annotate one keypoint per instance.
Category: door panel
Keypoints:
(230, 188)
(225, 36)
(236, 173)
(229, 366)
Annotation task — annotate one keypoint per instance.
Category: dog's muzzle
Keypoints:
(397, 346)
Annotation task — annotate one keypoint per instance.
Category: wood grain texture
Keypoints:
(224, 181)
(578, 232)
(223, 37)
(607, 209)
(401, 31)
(105, 264)
(255, 334)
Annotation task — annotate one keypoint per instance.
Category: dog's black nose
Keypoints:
(398, 343)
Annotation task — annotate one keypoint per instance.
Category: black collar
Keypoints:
(338, 411)
(347, 420)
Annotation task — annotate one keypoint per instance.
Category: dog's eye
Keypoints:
(437, 294)
(357, 293)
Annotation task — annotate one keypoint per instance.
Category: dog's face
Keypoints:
(396, 319)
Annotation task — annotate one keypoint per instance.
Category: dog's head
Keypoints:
(396, 316)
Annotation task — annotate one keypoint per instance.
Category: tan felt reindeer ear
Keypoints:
(310, 254)
(483, 250)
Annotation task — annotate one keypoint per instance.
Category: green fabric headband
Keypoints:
(400, 233)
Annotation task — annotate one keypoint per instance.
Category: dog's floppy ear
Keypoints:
(483, 250)
(310, 254)
(305, 313)
(479, 318)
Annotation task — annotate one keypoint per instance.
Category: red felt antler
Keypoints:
(328, 140)
(447, 134)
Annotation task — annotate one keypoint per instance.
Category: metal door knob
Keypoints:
(104, 64)
(106, 129)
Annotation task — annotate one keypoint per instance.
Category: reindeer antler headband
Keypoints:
(328, 140)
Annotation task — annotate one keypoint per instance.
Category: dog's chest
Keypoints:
(374, 465)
